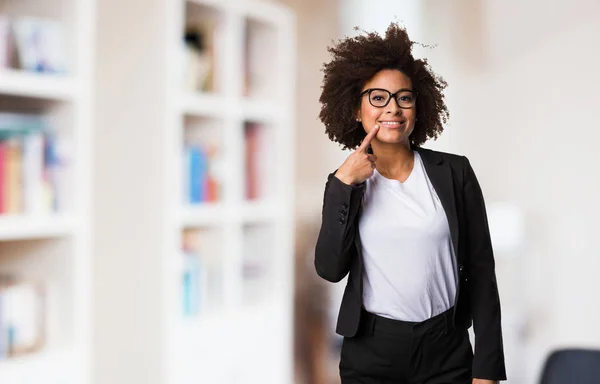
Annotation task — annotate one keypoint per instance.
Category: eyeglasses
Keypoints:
(380, 98)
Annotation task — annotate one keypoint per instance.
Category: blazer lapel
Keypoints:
(440, 174)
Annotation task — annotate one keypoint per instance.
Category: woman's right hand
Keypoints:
(359, 166)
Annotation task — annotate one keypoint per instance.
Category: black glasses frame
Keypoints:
(392, 95)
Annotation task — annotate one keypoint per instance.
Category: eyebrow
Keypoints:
(400, 90)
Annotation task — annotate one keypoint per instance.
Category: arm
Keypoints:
(488, 362)
(335, 244)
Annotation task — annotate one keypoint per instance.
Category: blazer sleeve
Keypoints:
(335, 243)
(488, 361)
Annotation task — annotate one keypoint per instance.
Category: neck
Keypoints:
(393, 160)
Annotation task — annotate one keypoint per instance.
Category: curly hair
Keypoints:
(355, 61)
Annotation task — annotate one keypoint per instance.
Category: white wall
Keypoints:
(525, 100)
(128, 217)
(377, 15)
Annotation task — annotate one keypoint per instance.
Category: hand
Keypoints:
(359, 166)
(483, 381)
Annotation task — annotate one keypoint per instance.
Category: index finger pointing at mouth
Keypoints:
(367, 140)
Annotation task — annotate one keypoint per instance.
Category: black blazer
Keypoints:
(338, 251)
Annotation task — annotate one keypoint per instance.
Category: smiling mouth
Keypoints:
(392, 124)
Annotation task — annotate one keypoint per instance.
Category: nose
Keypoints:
(393, 107)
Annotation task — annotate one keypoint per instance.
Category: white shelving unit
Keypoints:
(54, 249)
(32, 85)
(146, 118)
(246, 337)
(20, 83)
(22, 227)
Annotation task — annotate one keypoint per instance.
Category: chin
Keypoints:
(393, 139)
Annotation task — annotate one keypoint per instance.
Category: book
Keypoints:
(252, 146)
(259, 169)
(31, 168)
(197, 174)
(200, 178)
(33, 173)
(22, 318)
(194, 274)
(13, 186)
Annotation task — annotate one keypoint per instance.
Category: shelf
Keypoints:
(195, 327)
(260, 211)
(201, 104)
(203, 215)
(43, 247)
(20, 227)
(218, 4)
(262, 110)
(48, 367)
(217, 106)
(215, 214)
(265, 12)
(243, 240)
(35, 85)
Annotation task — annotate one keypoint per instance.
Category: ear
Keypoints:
(357, 116)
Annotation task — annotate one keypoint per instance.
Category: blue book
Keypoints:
(194, 169)
(191, 284)
(198, 174)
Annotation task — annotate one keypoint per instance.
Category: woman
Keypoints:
(408, 224)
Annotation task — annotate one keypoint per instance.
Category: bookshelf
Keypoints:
(23, 227)
(193, 266)
(31, 85)
(244, 232)
(45, 170)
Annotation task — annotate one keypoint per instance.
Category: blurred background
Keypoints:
(162, 168)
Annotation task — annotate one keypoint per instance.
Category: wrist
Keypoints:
(344, 178)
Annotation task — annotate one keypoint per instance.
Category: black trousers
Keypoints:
(391, 351)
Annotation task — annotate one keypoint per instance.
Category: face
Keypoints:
(395, 123)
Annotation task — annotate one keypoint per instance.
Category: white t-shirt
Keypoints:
(410, 269)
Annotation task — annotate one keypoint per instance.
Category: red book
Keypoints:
(252, 148)
(212, 189)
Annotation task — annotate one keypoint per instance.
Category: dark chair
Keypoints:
(572, 366)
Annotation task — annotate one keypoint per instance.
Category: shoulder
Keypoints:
(437, 156)
(460, 165)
